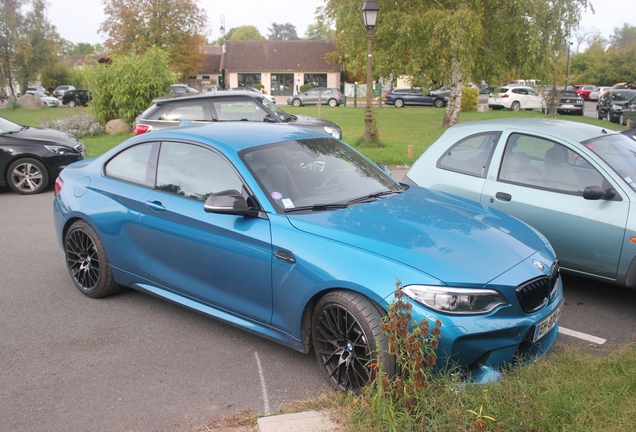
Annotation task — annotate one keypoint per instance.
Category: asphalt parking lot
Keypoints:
(134, 362)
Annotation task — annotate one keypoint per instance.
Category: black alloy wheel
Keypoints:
(346, 331)
(87, 261)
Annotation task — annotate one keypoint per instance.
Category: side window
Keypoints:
(191, 112)
(470, 155)
(239, 111)
(135, 164)
(538, 162)
(194, 172)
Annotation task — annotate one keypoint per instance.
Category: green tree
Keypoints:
(10, 25)
(177, 26)
(246, 32)
(624, 37)
(285, 31)
(37, 45)
(320, 31)
(128, 85)
(443, 41)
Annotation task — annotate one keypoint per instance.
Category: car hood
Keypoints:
(452, 239)
(29, 135)
(311, 121)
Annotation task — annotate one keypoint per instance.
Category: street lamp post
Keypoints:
(567, 68)
(370, 14)
(222, 31)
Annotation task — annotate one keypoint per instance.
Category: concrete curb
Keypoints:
(307, 421)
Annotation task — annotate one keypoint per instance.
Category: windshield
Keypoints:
(282, 115)
(619, 152)
(7, 127)
(316, 173)
(622, 95)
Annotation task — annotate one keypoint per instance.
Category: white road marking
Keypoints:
(587, 337)
(263, 386)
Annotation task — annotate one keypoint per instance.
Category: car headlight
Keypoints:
(459, 301)
(616, 107)
(333, 132)
(59, 149)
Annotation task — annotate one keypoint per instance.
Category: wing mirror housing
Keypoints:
(598, 193)
(229, 202)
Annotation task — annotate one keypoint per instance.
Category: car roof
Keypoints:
(561, 129)
(207, 95)
(232, 137)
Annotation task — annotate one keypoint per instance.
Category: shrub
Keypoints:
(128, 85)
(78, 125)
(303, 88)
(470, 99)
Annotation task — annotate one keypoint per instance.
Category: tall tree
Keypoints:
(246, 32)
(37, 45)
(320, 31)
(10, 25)
(285, 31)
(623, 37)
(447, 40)
(177, 26)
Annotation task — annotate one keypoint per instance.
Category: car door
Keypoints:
(310, 97)
(540, 181)
(534, 99)
(221, 260)
(629, 112)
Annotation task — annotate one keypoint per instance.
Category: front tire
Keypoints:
(621, 121)
(71, 104)
(87, 261)
(27, 176)
(296, 102)
(399, 103)
(439, 103)
(347, 333)
(515, 106)
(333, 103)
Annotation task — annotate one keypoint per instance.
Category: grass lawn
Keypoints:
(397, 128)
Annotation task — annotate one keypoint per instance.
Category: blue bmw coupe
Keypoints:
(297, 237)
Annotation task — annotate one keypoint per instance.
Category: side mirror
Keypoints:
(384, 167)
(598, 193)
(269, 119)
(229, 202)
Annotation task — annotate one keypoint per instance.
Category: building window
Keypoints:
(248, 80)
(282, 84)
(205, 77)
(317, 80)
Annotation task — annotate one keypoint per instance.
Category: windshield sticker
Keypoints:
(277, 195)
(287, 203)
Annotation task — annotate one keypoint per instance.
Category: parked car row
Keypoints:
(610, 105)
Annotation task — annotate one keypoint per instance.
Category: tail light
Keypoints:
(141, 129)
(58, 186)
(505, 96)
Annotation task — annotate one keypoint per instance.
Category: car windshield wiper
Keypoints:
(317, 207)
(15, 131)
(374, 196)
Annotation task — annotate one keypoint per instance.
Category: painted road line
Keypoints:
(587, 337)
(263, 386)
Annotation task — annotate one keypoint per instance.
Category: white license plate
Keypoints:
(567, 106)
(546, 324)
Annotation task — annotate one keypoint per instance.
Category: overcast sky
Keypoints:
(78, 20)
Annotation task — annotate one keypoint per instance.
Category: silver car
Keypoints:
(327, 96)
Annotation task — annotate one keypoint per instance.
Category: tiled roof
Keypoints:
(279, 56)
(211, 64)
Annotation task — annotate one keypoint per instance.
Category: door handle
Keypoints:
(502, 196)
(285, 256)
(155, 205)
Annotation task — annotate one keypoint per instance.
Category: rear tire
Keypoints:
(515, 106)
(346, 334)
(333, 103)
(399, 103)
(71, 104)
(87, 261)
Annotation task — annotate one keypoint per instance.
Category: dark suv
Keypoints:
(76, 98)
(222, 106)
(610, 105)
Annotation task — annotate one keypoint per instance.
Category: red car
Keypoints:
(585, 90)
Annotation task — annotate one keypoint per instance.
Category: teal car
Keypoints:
(573, 182)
